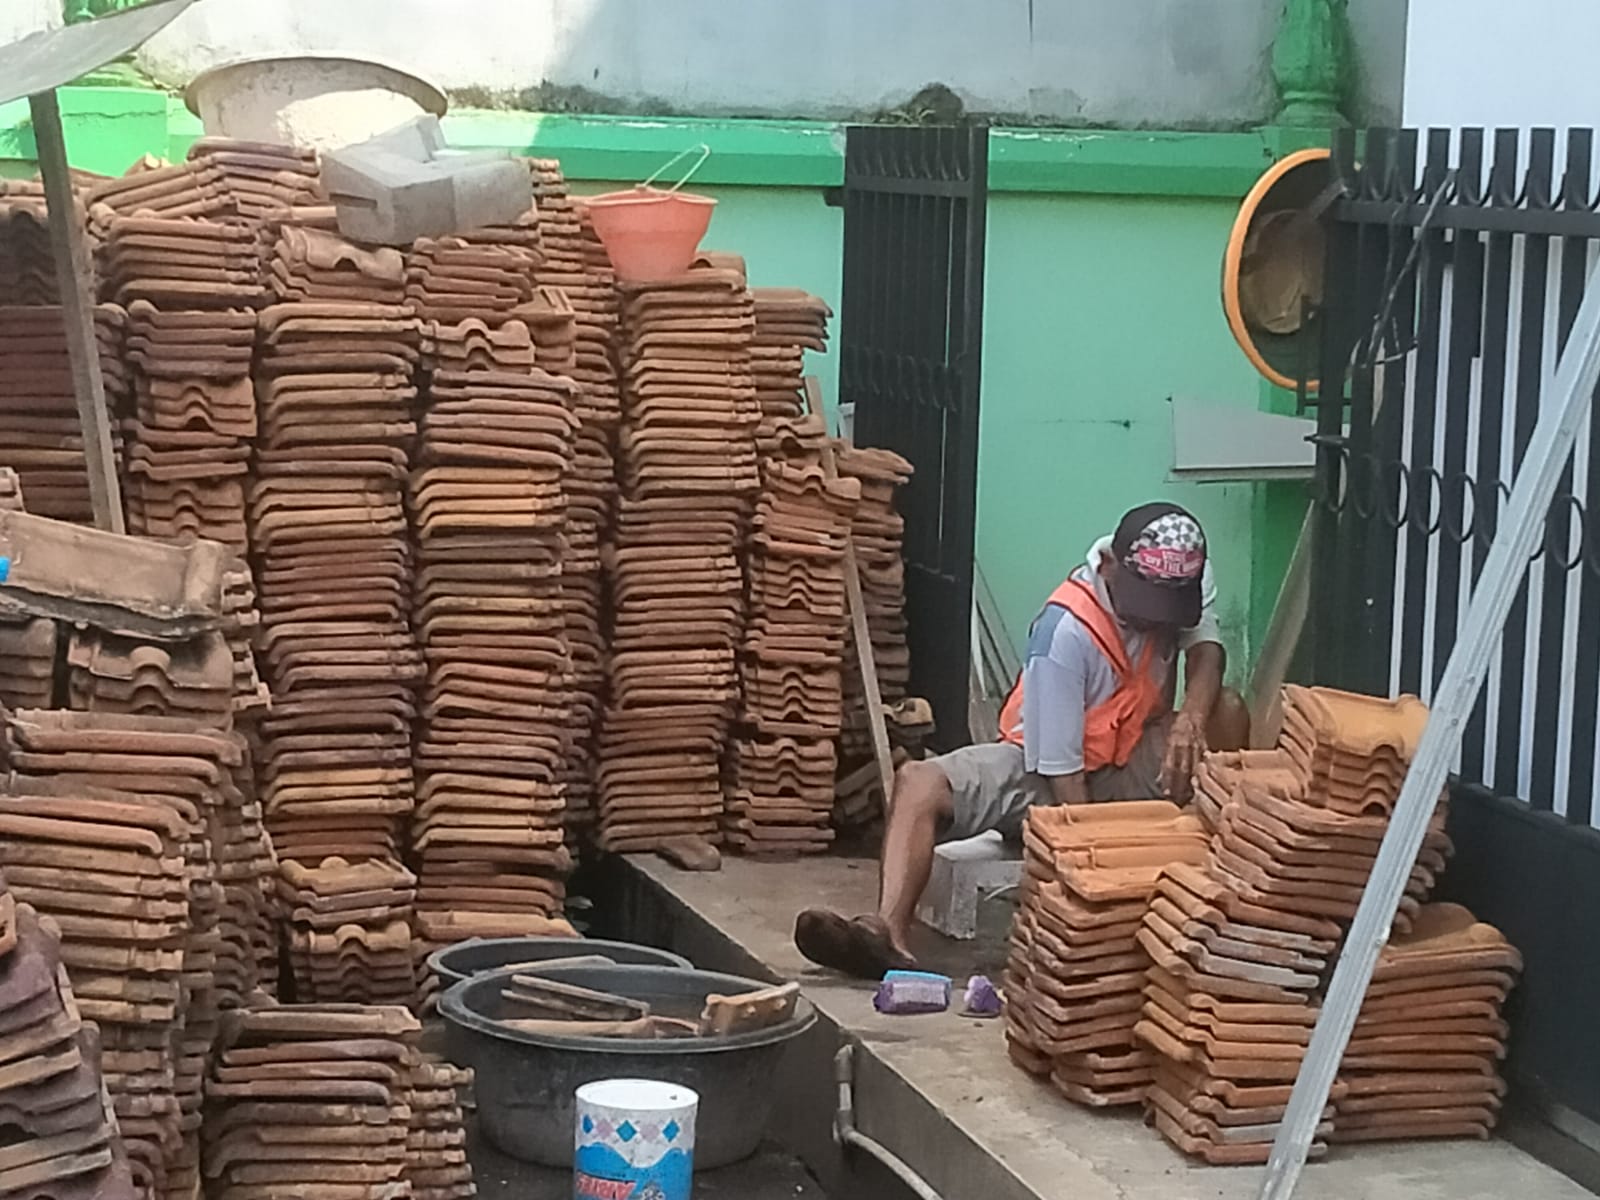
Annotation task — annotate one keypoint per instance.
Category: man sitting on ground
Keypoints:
(1089, 719)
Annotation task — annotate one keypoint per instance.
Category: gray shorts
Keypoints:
(990, 788)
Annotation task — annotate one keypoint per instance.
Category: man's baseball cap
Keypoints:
(1162, 551)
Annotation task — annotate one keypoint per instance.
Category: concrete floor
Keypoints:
(939, 1091)
(770, 1175)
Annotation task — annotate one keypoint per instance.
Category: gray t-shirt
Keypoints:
(1066, 674)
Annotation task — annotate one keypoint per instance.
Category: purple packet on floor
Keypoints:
(905, 992)
(981, 999)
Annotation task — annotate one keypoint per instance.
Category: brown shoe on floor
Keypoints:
(860, 947)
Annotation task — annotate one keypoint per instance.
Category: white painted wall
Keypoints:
(1163, 63)
(18, 18)
(1499, 63)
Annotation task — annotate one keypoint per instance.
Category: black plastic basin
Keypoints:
(525, 1082)
(465, 959)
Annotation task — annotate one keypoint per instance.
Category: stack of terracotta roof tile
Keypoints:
(241, 622)
(488, 507)
(257, 179)
(576, 266)
(114, 674)
(436, 1144)
(350, 932)
(330, 539)
(450, 279)
(40, 434)
(147, 938)
(310, 1100)
(109, 869)
(27, 262)
(877, 531)
(181, 263)
(175, 190)
(794, 641)
(1312, 853)
(62, 1137)
(1228, 1012)
(1220, 773)
(1242, 946)
(193, 412)
(688, 472)
(27, 662)
(1424, 1058)
(307, 263)
(788, 323)
(1352, 749)
(1076, 972)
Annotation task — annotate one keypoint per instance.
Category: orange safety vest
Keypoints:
(1112, 728)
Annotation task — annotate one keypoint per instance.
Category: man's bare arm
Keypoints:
(1202, 682)
(1069, 789)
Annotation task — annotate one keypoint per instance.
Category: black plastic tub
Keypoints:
(525, 1082)
(465, 959)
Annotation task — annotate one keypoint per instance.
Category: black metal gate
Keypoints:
(1455, 267)
(910, 356)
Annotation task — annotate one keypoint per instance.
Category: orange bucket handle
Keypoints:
(703, 150)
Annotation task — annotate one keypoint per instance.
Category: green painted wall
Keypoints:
(1103, 259)
(1098, 309)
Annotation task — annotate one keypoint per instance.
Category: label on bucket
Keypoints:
(635, 1141)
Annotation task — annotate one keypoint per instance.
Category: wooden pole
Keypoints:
(72, 278)
(858, 617)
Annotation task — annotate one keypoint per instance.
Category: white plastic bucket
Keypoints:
(634, 1140)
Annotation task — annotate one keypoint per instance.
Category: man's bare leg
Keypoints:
(922, 805)
(1228, 726)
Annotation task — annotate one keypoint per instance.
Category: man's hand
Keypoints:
(1186, 742)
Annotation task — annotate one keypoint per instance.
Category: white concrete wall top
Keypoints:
(1160, 63)
(19, 18)
(1496, 64)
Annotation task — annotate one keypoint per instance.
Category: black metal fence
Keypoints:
(1456, 263)
(910, 358)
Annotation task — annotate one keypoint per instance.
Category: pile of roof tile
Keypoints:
(137, 835)
(452, 279)
(62, 1137)
(157, 189)
(27, 261)
(1243, 945)
(1424, 1058)
(877, 531)
(488, 507)
(329, 535)
(27, 662)
(781, 797)
(41, 437)
(436, 1142)
(575, 265)
(311, 1101)
(349, 930)
(1228, 1012)
(180, 263)
(788, 323)
(192, 415)
(110, 673)
(687, 465)
(1076, 972)
(255, 180)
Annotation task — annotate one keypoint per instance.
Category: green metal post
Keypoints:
(1311, 62)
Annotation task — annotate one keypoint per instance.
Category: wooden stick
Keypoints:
(72, 276)
(858, 615)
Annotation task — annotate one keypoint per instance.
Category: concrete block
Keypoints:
(964, 874)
